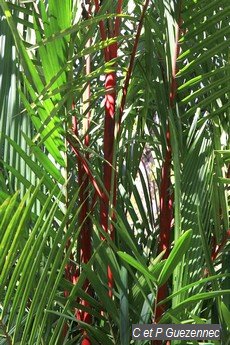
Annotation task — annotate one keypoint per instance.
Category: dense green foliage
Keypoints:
(176, 118)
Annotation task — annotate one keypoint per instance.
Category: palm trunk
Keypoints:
(109, 170)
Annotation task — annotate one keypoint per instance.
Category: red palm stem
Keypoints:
(132, 60)
(166, 196)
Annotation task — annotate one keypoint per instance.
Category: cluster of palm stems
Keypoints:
(114, 168)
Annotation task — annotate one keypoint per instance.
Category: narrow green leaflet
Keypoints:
(175, 257)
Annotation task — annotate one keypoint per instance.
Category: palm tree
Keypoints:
(114, 143)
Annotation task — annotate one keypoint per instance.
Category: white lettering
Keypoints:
(217, 334)
(169, 332)
(159, 331)
(134, 332)
(192, 333)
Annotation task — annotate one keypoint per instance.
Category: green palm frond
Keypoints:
(177, 108)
